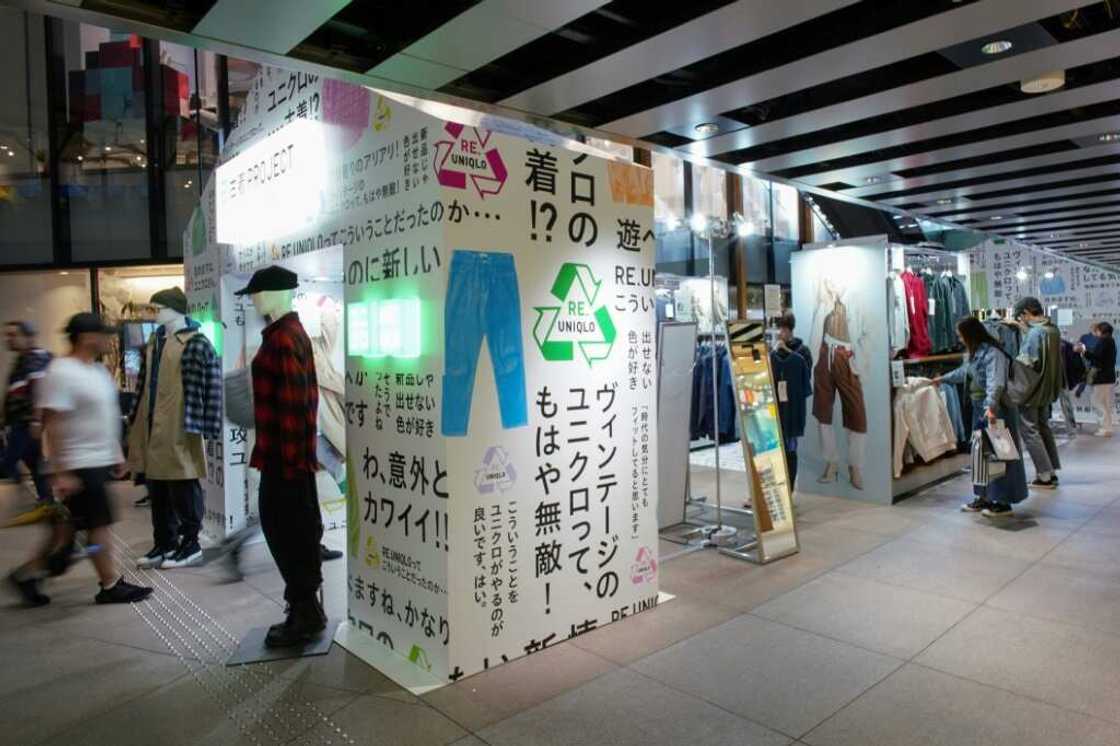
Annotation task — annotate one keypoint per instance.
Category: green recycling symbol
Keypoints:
(576, 321)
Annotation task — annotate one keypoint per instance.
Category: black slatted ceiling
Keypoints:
(1056, 212)
(180, 15)
(827, 31)
(1016, 207)
(968, 137)
(367, 32)
(606, 30)
(1024, 173)
(1007, 93)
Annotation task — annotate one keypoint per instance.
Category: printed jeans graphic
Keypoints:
(482, 300)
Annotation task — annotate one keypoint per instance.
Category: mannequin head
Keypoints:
(169, 317)
(272, 304)
(171, 308)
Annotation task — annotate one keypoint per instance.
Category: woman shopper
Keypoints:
(1102, 357)
(986, 371)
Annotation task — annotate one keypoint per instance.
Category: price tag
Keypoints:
(783, 392)
(932, 307)
(898, 373)
(670, 311)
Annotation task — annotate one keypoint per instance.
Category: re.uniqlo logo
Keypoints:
(468, 155)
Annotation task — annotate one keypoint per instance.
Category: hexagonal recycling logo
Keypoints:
(577, 321)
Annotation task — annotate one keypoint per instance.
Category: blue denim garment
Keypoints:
(988, 371)
(953, 404)
(1011, 488)
(482, 300)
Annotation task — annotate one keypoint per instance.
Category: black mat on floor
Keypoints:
(252, 648)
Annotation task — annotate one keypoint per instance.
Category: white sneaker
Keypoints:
(154, 559)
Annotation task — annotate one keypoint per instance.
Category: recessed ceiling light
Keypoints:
(996, 217)
(107, 148)
(1109, 137)
(996, 47)
(872, 179)
(706, 128)
(1044, 83)
(945, 201)
(80, 158)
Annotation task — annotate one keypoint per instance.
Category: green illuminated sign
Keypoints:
(384, 328)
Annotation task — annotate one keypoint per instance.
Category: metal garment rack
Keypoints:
(714, 535)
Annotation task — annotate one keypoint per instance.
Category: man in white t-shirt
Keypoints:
(82, 429)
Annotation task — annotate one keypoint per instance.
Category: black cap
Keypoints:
(86, 323)
(173, 298)
(270, 278)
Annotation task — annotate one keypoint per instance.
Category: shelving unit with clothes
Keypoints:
(872, 329)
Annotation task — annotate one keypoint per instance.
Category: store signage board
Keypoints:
(772, 300)
(757, 401)
(500, 376)
(274, 187)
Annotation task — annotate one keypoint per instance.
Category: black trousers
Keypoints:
(293, 528)
(177, 511)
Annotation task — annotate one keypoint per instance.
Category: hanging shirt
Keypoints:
(921, 418)
(285, 400)
(897, 315)
(791, 375)
(917, 312)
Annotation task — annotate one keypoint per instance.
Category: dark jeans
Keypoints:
(22, 447)
(293, 528)
(177, 511)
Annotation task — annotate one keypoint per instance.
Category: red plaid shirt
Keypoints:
(285, 400)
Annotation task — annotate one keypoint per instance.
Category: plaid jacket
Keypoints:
(285, 400)
(202, 385)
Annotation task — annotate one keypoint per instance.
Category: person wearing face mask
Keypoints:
(179, 404)
(286, 411)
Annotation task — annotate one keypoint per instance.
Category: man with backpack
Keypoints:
(1041, 350)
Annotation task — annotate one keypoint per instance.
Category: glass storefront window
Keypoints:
(668, 191)
(709, 191)
(25, 199)
(103, 153)
(240, 74)
(191, 131)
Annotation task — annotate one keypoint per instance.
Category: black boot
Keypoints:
(304, 623)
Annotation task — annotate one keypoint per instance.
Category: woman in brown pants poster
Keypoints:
(836, 375)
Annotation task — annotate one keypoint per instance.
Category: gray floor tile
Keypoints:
(624, 708)
(501, 692)
(1064, 594)
(1024, 540)
(919, 707)
(1090, 549)
(370, 719)
(1063, 664)
(42, 679)
(961, 574)
(654, 630)
(888, 619)
(778, 676)
(1107, 522)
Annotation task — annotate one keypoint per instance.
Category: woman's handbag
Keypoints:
(1002, 444)
(985, 469)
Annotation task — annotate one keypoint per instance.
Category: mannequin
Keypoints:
(286, 411)
(179, 404)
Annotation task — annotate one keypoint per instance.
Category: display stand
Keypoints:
(841, 289)
(676, 349)
(771, 497)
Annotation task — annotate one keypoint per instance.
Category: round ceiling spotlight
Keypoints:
(996, 47)
(872, 179)
(1109, 137)
(945, 201)
(707, 129)
(1044, 83)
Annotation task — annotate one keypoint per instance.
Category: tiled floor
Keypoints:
(904, 625)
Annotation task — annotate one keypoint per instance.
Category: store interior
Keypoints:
(806, 540)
